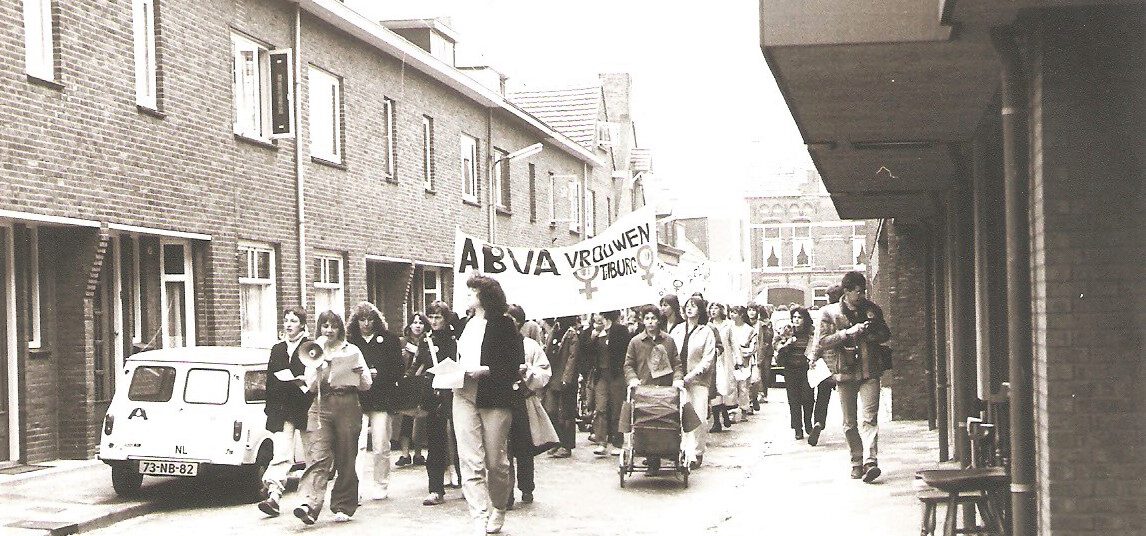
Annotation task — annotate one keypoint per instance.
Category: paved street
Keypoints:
(756, 478)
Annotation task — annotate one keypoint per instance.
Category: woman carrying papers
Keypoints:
(286, 405)
(653, 359)
(439, 437)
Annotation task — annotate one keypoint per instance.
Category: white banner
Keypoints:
(610, 271)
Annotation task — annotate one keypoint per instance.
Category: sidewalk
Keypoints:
(794, 488)
(67, 497)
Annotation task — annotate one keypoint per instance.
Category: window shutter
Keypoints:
(282, 93)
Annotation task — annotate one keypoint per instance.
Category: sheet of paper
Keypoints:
(818, 373)
(448, 374)
(285, 375)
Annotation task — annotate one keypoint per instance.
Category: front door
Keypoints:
(103, 336)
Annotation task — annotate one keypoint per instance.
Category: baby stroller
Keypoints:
(654, 429)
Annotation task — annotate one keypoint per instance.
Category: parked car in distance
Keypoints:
(189, 412)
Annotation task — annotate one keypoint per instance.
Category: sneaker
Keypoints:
(495, 522)
(870, 472)
(306, 514)
(600, 450)
(527, 497)
(551, 451)
(376, 493)
(615, 451)
(799, 435)
(857, 472)
(419, 459)
(341, 517)
(434, 499)
(814, 435)
(403, 461)
(270, 506)
(562, 452)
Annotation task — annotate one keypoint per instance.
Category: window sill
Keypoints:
(471, 202)
(328, 163)
(257, 141)
(502, 211)
(46, 83)
(153, 112)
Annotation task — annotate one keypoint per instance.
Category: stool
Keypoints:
(975, 488)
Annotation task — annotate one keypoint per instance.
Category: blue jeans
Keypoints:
(862, 397)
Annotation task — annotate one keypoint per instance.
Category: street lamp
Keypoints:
(520, 153)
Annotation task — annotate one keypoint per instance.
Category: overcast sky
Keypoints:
(703, 98)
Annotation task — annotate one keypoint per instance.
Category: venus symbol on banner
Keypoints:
(587, 280)
(646, 259)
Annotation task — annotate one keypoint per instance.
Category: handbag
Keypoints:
(541, 431)
(412, 396)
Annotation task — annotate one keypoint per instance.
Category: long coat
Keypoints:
(285, 401)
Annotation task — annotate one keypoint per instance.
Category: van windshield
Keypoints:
(151, 384)
(207, 386)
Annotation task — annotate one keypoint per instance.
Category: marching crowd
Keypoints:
(359, 390)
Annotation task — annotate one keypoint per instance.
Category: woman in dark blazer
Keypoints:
(491, 351)
(368, 331)
(286, 405)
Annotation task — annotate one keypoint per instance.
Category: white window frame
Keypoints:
(250, 83)
(820, 295)
(859, 243)
(33, 267)
(39, 43)
(325, 114)
(250, 252)
(575, 204)
(808, 246)
(772, 242)
(143, 25)
(467, 148)
(432, 294)
(188, 290)
(390, 146)
(428, 153)
(500, 177)
(322, 281)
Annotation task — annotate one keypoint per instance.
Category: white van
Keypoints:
(189, 412)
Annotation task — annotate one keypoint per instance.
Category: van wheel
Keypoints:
(126, 480)
(251, 478)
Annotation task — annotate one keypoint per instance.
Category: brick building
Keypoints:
(799, 246)
(153, 194)
(1002, 143)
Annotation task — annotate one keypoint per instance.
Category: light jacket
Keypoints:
(642, 349)
(700, 356)
(850, 358)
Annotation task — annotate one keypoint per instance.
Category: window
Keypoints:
(574, 205)
(802, 244)
(591, 213)
(32, 320)
(859, 248)
(428, 152)
(532, 193)
(772, 246)
(820, 296)
(251, 65)
(325, 115)
(501, 177)
(176, 294)
(151, 384)
(467, 148)
(39, 46)
(328, 284)
(389, 132)
(258, 314)
(608, 134)
(552, 198)
(143, 22)
(431, 287)
(207, 386)
(255, 386)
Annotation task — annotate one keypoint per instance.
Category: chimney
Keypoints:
(432, 35)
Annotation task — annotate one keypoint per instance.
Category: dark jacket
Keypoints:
(285, 401)
(850, 358)
(503, 352)
(618, 344)
(385, 355)
(562, 360)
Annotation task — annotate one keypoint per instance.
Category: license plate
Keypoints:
(147, 467)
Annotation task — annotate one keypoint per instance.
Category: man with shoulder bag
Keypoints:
(849, 337)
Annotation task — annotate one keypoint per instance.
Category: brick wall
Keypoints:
(1087, 246)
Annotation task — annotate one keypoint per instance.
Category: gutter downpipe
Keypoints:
(1017, 184)
(585, 195)
(492, 197)
(939, 338)
(298, 168)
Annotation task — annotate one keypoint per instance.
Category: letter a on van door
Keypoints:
(137, 412)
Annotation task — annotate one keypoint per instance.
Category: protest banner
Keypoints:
(610, 271)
